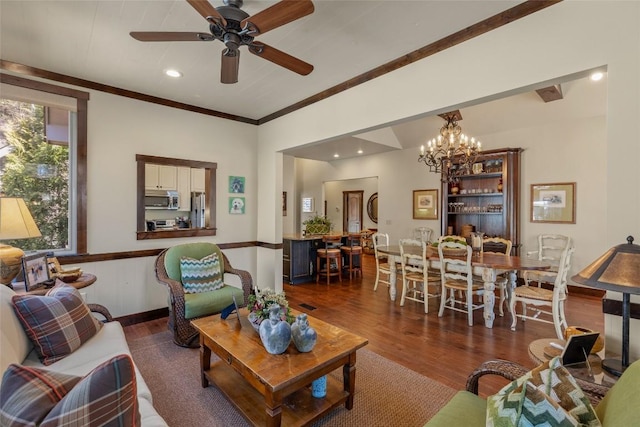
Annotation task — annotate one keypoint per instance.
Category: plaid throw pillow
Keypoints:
(548, 395)
(201, 275)
(29, 394)
(57, 323)
(106, 396)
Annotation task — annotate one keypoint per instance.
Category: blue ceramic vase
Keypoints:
(274, 332)
(304, 336)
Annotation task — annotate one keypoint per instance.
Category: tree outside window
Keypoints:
(37, 170)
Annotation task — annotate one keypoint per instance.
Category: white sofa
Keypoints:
(110, 341)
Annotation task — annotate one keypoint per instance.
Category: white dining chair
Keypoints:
(547, 305)
(551, 247)
(498, 245)
(416, 275)
(457, 275)
(383, 266)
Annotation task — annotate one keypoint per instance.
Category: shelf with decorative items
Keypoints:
(483, 197)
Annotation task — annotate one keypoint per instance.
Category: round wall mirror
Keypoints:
(372, 207)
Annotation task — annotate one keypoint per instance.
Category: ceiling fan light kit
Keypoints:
(235, 28)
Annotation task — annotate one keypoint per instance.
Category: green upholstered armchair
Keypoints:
(615, 406)
(185, 307)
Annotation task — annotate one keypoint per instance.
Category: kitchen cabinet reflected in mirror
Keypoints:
(176, 198)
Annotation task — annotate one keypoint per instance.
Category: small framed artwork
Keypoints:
(425, 204)
(307, 204)
(284, 203)
(36, 271)
(236, 184)
(554, 203)
(236, 205)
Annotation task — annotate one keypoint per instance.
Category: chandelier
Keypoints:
(450, 144)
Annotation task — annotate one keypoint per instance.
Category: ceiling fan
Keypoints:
(234, 27)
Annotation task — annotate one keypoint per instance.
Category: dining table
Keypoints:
(486, 265)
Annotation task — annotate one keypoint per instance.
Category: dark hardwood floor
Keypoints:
(444, 348)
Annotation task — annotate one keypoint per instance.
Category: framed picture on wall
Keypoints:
(425, 204)
(236, 205)
(554, 203)
(236, 184)
(284, 203)
(307, 204)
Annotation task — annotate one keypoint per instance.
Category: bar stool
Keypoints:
(329, 253)
(353, 249)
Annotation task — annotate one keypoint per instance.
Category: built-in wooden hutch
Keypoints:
(487, 197)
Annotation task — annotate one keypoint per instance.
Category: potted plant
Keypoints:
(317, 224)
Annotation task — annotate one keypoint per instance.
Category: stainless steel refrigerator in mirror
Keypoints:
(197, 210)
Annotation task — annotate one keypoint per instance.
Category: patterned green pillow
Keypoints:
(547, 395)
(201, 275)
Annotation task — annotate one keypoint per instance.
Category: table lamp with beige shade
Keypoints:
(16, 222)
(617, 270)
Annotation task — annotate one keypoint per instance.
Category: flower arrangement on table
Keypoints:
(261, 300)
(432, 249)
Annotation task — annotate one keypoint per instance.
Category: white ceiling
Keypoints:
(342, 39)
(90, 40)
(582, 98)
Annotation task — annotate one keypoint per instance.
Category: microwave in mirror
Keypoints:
(161, 199)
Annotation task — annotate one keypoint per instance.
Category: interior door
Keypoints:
(352, 211)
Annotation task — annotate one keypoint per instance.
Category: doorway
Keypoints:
(352, 211)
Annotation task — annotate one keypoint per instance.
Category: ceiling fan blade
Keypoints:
(230, 66)
(167, 36)
(280, 58)
(279, 14)
(204, 8)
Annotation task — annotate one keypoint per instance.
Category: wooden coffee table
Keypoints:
(274, 389)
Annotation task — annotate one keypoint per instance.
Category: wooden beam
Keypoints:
(550, 93)
(496, 21)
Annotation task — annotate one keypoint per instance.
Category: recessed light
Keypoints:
(173, 73)
(597, 76)
(360, 151)
(336, 155)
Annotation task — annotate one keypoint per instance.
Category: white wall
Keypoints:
(119, 128)
(290, 221)
(333, 194)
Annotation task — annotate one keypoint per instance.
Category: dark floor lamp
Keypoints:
(617, 270)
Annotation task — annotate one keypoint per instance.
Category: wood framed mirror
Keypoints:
(209, 191)
(372, 207)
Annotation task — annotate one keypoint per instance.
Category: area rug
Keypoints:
(387, 394)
